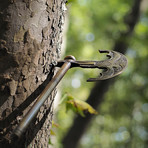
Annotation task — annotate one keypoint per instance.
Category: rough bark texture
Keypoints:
(95, 98)
(30, 40)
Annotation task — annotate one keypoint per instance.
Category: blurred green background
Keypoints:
(122, 121)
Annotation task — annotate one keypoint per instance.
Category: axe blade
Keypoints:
(112, 67)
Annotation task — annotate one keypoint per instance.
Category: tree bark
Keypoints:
(30, 40)
(95, 98)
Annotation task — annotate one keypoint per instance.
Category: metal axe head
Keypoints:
(113, 66)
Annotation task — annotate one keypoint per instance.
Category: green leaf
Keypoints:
(76, 105)
(70, 1)
(52, 133)
(49, 142)
(80, 107)
(70, 105)
(55, 124)
(65, 98)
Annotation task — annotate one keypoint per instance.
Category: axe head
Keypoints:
(113, 66)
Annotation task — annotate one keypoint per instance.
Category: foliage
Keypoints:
(52, 133)
(75, 105)
(123, 116)
(70, 1)
(78, 106)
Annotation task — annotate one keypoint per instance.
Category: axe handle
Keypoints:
(41, 99)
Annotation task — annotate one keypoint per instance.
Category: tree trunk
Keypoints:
(30, 40)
